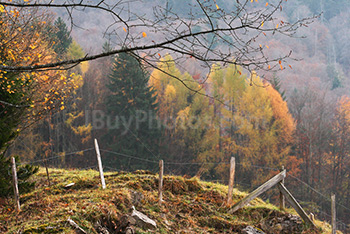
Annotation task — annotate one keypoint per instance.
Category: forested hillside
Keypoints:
(292, 112)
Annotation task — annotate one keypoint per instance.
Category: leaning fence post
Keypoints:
(334, 219)
(293, 202)
(15, 184)
(100, 165)
(231, 180)
(282, 199)
(160, 189)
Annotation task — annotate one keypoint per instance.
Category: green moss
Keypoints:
(46, 228)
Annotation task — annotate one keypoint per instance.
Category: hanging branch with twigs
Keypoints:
(208, 32)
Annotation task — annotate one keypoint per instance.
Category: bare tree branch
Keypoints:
(63, 5)
(207, 33)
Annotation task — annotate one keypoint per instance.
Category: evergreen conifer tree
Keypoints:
(24, 172)
(12, 110)
(61, 37)
(132, 128)
(276, 84)
(107, 47)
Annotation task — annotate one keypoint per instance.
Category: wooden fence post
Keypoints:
(160, 189)
(15, 184)
(282, 198)
(334, 219)
(231, 180)
(293, 202)
(100, 165)
(47, 173)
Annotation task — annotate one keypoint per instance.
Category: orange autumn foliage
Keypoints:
(283, 119)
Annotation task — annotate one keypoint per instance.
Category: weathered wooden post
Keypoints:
(334, 219)
(47, 173)
(99, 161)
(231, 180)
(263, 188)
(15, 184)
(293, 202)
(160, 188)
(282, 199)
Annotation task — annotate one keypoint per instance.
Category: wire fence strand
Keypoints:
(319, 193)
(128, 156)
(57, 156)
(184, 163)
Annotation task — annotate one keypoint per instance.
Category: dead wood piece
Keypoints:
(69, 185)
(142, 220)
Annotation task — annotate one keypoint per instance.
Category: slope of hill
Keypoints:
(190, 206)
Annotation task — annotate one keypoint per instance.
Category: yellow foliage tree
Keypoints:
(246, 119)
(26, 97)
(182, 111)
(264, 127)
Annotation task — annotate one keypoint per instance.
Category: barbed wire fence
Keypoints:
(319, 210)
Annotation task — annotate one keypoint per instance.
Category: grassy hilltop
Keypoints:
(190, 205)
